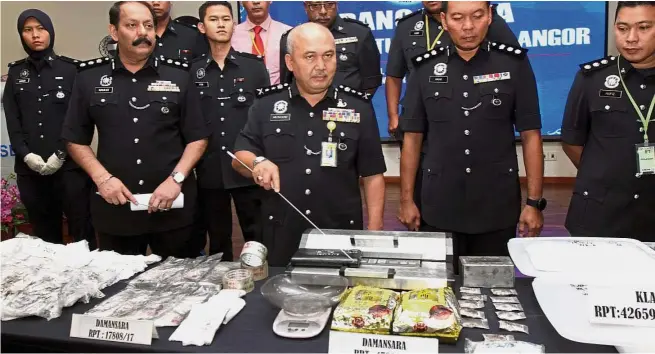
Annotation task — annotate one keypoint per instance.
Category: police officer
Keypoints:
(151, 134)
(176, 39)
(358, 56)
(606, 133)
(415, 34)
(469, 98)
(311, 141)
(226, 83)
(35, 100)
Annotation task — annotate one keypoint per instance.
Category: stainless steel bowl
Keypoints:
(304, 295)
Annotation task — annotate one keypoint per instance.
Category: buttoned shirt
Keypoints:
(178, 38)
(226, 95)
(144, 120)
(283, 127)
(469, 111)
(35, 100)
(272, 31)
(610, 198)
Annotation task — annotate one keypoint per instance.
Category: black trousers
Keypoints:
(492, 243)
(47, 198)
(172, 243)
(216, 213)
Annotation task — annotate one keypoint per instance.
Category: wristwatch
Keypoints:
(61, 155)
(258, 160)
(540, 204)
(178, 177)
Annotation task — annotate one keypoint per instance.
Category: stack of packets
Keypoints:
(501, 343)
(424, 312)
(505, 302)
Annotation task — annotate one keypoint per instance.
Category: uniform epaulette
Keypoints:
(509, 49)
(408, 16)
(176, 63)
(265, 91)
(351, 91)
(14, 63)
(348, 19)
(597, 64)
(194, 60)
(422, 58)
(81, 65)
(186, 21)
(69, 60)
(251, 56)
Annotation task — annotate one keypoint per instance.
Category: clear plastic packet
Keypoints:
(502, 346)
(510, 316)
(466, 290)
(514, 327)
(505, 299)
(475, 323)
(472, 313)
(504, 292)
(472, 297)
(496, 337)
(508, 307)
(471, 304)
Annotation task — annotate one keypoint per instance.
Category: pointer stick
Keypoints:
(287, 200)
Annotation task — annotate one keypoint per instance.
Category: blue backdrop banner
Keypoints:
(560, 35)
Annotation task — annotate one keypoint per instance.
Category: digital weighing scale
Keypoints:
(305, 326)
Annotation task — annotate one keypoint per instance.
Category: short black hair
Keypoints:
(622, 4)
(115, 12)
(444, 6)
(202, 11)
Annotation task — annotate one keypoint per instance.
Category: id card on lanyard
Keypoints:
(646, 151)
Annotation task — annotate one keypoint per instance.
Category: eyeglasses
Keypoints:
(316, 6)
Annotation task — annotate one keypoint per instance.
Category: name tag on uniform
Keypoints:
(341, 115)
(104, 90)
(23, 81)
(163, 86)
(491, 77)
(416, 33)
(610, 93)
(438, 79)
(280, 117)
(59, 77)
(345, 40)
(328, 154)
(646, 159)
(202, 84)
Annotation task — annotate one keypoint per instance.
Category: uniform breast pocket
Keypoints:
(347, 145)
(166, 103)
(438, 101)
(59, 95)
(279, 141)
(26, 95)
(104, 108)
(242, 98)
(497, 100)
(346, 56)
(611, 118)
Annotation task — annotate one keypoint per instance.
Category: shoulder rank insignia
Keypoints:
(348, 19)
(14, 63)
(408, 16)
(251, 56)
(507, 48)
(597, 64)
(264, 91)
(422, 58)
(69, 60)
(176, 63)
(353, 92)
(93, 62)
(200, 58)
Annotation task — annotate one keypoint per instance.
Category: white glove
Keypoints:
(52, 166)
(34, 162)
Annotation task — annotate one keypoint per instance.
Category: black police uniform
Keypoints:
(284, 128)
(419, 32)
(358, 56)
(610, 198)
(469, 111)
(35, 100)
(179, 38)
(226, 95)
(144, 122)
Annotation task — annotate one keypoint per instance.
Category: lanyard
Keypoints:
(427, 34)
(644, 121)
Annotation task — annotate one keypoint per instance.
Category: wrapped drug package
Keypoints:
(428, 313)
(365, 309)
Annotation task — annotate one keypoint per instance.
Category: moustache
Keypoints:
(140, 40)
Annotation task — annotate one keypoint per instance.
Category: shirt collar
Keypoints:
(627, 69)
(265, 25)
(152, 62)
(331, 94)
(47, 60)
(338, 25)
(231, 57)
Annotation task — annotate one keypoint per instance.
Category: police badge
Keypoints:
(612, 81)
(440, 69)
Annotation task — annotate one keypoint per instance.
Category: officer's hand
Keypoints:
(267, 175)
(409, 215)
(53, 164)
(393, 124)
(115, 192)
(164, 196)
(34, 162)
(531, 222)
